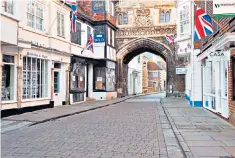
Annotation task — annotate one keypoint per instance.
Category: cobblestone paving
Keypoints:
(124, 130)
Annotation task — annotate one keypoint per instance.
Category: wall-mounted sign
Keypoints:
(223, 8)
(99, 34)
(99, 38)
(98, 6)
(36, 55)
(219, 55)
(180, 71)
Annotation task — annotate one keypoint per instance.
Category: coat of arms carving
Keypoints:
(143, 18)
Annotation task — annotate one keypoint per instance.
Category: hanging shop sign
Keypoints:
(219, 55)
(180, 71)
(223, 8)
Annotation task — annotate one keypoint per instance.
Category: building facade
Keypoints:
(45, 63)
(135, 75)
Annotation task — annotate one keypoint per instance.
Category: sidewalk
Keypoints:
(199, 132)
(63, 111)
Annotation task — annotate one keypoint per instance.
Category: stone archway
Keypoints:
(136, 47)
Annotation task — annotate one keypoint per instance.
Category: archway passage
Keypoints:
(135, 47)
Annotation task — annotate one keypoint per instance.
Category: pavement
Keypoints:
(200, 132)
(145, 126)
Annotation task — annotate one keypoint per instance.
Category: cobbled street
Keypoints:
(134, 128)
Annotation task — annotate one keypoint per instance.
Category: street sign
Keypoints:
(99, 38)
(180, 71)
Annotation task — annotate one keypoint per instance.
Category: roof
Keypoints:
(151, 65)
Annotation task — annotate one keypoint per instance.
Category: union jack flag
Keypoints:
(73, 21)
(89, 44)
(203, 25)
(170, 39)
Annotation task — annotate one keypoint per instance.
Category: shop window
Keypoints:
(168, 17)
(9, 6)
(8, 72)
(78, 97)
(110, 76)
(35, 15)
(99, 76)
(56, 82)
(125, 18)
(76, 36)
(35, 78)
(60, 24)
(77, 75)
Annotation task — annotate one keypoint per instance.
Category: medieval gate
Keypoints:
(142, 31)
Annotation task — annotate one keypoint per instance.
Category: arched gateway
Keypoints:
(134, 47)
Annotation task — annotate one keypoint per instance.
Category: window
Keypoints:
(76, 36)
(113, 39)
(77, 75)
(35, 78)
(125, 18)
(8, 72)
(99, 77)
(35, 15)
(60, 24)
(120, 19)
(9, 6)
(88, 32)
(184, 20)
(56, 82)
(111, 36)
(168, 17)
(162, 17)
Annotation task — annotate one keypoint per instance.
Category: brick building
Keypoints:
(218, 75)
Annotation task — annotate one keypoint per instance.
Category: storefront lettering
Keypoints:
(216, 54)
(36, 55)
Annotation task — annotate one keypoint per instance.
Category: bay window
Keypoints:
(35, 15)
(8, 78)
(35, 78)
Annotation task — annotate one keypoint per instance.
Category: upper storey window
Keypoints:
(122, 18)
(9, 6)
(165, 17)
(35, 15)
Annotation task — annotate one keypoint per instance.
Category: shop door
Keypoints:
(57, 88)
(224, 88)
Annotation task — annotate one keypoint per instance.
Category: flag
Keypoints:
(203, 25)
(71, 2)
(73, 21)
(170, 39)
(89, 44)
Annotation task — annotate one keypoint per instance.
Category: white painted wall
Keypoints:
(134, 65)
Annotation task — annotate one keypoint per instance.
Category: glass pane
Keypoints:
(58, 23)
(56, 82)
(62, 24)
(8, 59)
(7, 82)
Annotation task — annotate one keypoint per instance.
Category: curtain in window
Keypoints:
(167, 17)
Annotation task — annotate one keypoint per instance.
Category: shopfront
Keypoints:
(215, 82)
(77, 79)
(104, 80)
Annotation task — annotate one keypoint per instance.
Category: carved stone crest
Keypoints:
(143, 18)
